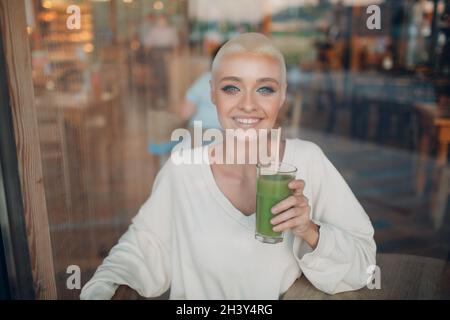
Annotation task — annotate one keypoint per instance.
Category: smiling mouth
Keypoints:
(247, 122)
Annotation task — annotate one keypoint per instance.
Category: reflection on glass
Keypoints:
(376, 101)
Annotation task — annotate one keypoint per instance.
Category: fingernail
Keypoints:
(274, 210)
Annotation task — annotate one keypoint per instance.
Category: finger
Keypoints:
(285, 204)
(298, 192)
(286, 215)
(289, 224)
(297, 184)
(303, 201)
(291, 201)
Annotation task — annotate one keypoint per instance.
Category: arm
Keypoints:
(343, 235)
(141, 259)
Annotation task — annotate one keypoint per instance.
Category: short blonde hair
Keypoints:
(250, 42)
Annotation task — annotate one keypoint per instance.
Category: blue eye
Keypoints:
(266, 90)
(230, 89)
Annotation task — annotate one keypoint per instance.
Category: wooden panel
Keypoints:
(17, 55)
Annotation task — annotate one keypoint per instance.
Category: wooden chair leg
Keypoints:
(439, 196)
(421, 166)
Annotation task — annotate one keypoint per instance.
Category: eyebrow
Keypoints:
(268, 79)
(230, 79)
(240, 80)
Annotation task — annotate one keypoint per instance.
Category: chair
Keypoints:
(432, 122)
(54, 153)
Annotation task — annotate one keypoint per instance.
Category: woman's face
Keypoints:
(248, 91)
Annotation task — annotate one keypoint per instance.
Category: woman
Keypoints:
(195, 234)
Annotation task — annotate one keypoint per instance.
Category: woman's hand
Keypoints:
(293, 213)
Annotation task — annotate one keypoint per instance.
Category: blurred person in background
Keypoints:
(197, 104)
(159, 40)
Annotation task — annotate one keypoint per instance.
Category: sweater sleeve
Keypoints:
(346, 247)
(141, 258)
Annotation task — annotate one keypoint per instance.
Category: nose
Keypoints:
(247, 103)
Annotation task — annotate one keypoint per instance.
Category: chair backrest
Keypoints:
(55, 158)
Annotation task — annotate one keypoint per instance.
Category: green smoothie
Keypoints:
(271, 189)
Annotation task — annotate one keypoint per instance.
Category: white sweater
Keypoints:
(190, 238)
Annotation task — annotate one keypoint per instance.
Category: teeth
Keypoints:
(247, 120)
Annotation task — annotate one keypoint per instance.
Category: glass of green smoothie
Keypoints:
(271, 188)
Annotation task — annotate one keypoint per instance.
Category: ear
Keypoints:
(211, 92)
(283, 95)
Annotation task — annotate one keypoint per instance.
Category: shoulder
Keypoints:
(304, 149)
(205, 77)
(200, 86)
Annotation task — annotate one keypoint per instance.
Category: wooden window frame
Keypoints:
(25, 228)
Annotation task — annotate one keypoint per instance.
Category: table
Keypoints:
(402, 277)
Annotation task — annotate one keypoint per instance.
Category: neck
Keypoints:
(242, 158)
